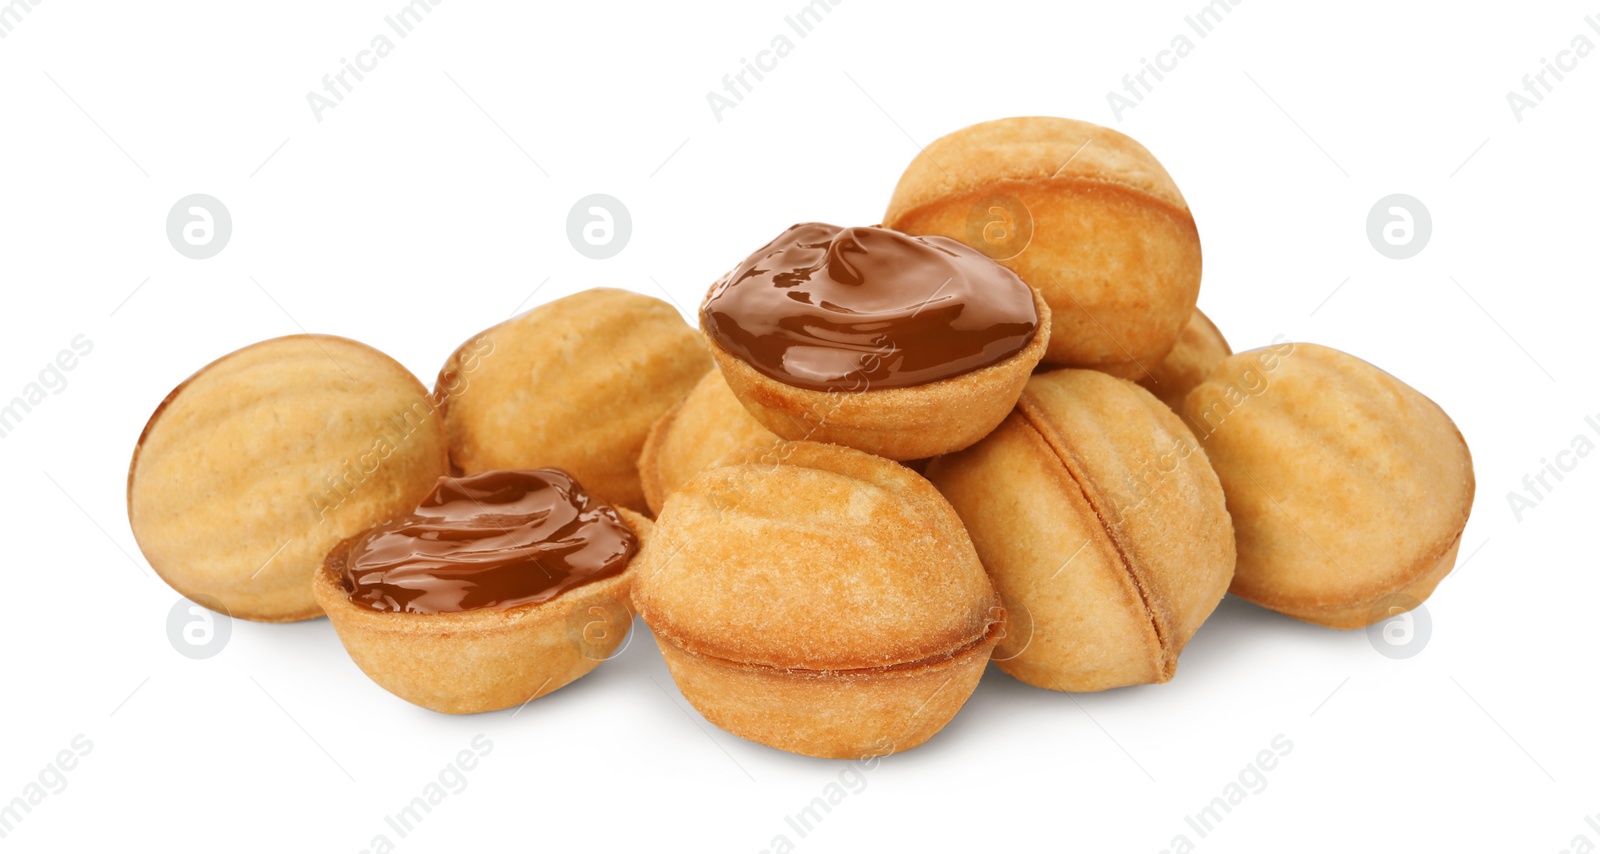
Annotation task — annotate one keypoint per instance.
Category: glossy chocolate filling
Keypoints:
(851, 309)
(493, 540)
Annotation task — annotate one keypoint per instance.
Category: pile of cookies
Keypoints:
(994, 427)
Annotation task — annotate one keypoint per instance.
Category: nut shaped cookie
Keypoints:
(1199, 350)
(253, 468)
(1081, 212)
(463, 662)
(1349, 489)
(819, 600)
(1103, 526)
(574, 384)
(898, 345)
(900, 424)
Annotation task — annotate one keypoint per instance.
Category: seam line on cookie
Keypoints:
(1166, 662)
(1166, 207)
(884, 669)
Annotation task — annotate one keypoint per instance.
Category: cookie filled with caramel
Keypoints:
(500, 587)
(906, 347)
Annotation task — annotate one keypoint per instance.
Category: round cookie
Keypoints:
(425, 647)
(900, 346)
(253, 468)
(1103, 526)
(574, 384)
(1081, 212)
(819, 600)
(1349, 489)
(1199, 350)
(708, 424)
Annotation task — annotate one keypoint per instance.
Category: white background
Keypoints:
(411, 217)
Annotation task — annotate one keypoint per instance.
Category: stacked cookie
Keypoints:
(995, 427)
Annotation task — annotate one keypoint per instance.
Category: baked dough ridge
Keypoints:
(1167, 662)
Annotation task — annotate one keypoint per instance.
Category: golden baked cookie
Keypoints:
(1199, 350)
(1081, 212)
(574, 384)
(819, 600)
(1349, 489)
(505, 609)
(904, 347)
(705, 426)
(1103, 526)
(254, 467)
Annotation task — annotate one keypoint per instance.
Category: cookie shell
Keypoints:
(813, 597)
(464, 662)
(1349, 489)
(1103, 526)
(253, 468)
(908, 423)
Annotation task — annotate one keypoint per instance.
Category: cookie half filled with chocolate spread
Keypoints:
(905, 347)
(500, 587)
